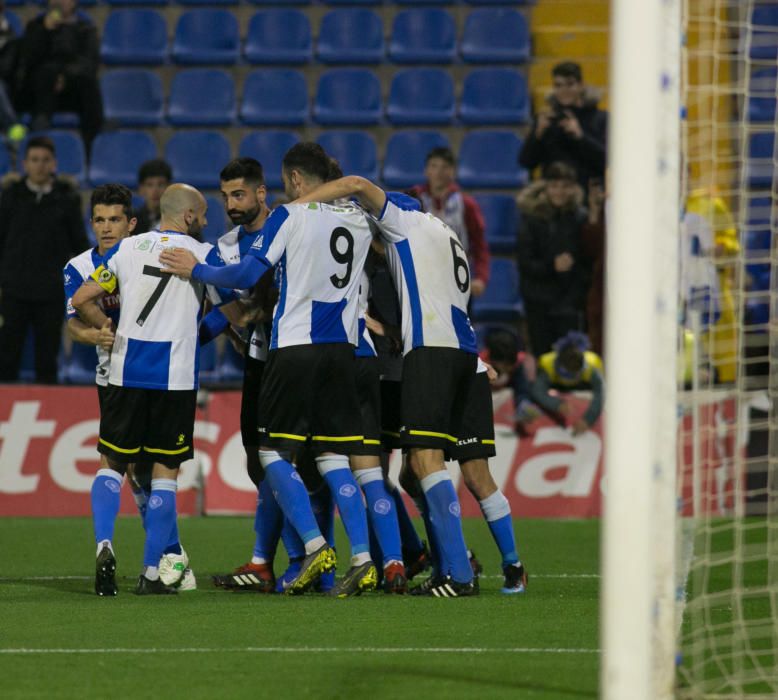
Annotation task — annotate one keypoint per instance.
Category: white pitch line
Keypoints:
(309, 650)
(20, 579)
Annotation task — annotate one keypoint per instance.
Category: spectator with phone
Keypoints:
(571, 129)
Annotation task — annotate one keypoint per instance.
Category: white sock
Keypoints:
(359, 559)
(104, 543)
(151, 573)
(312, 545)
(258, 560)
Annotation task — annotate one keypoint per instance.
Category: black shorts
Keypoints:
(149, 425)
(391, 393)
(446, 405)
(249, 401)
(309, 397)
(369, 392)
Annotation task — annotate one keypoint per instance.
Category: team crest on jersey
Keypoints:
(144, 246)
(105, 276)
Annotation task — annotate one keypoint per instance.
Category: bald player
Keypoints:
(149, 408)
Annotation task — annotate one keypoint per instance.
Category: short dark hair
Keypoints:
(336, 172)
(503, 346)
(248, 169)
(155, 168)
(442, 152)
(560, 171)
(40, 142)
(568, 69)
(112, 193)
(309, 158)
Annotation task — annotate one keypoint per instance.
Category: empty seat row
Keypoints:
(487, 158)
(207, 97)
(348, 35)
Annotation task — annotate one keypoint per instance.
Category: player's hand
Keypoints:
(491, 372)
(563, 262)
(477, 287)
(106, 336)
(236, 341)
(580, 427)
(178, 261)
(375, 326)
(544, 121)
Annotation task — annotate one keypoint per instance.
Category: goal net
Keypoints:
(727, 570)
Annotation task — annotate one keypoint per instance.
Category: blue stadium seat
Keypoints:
(350, 35)
(134, 37)
(423, 35)
(502, 300)
(268, 147)
(500, 2)
(208, 2)
(406, 152)
(206, 36)
(760, 277)
(117, 155)
(230, 365)
(354, 2)
(494, 96)
(71, 158)
(80, 366)
(764, 36)
(138, 2)
(355, 151)
(348, 96)
(218, 224)
(501, 217)
(279, 36)
(275, 96)
(489, 159)
(14, 22)
(424, 2)
(761, 163)
(5, 160)
(495, 35)
(132, 97)
(202, 97)
(421, 96)
(280, 2)
(197, 157)
(758, 234)
(761, 100)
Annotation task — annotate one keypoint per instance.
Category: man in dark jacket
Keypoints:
(554, 279)
(571, 130)
(40, 230)
(60, 55)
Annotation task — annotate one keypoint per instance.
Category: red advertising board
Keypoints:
(48, 457)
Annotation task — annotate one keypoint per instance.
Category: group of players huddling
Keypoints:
(304, 286)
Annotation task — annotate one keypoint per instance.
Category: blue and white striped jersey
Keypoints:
(233, 246)
(156, 343)
(75, 273)
(366, 348)
(320, 250)
(432, 278)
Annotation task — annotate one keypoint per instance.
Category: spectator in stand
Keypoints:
(154, 176)
(570, 367)
(9, 53)
(571, 129)
(554, 278)
(442, 197)
(593, 241)
(60, 55)
(41, 228)
(503, 354)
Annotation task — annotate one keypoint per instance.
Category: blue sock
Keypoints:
(497, 512)
(295, 547)
(408, 536)
(323, 505)
(160, 519)
(106, 495)
(381, 512)
(173, 543)
(446, 521)
(337, 474)
(438, 565)
(268, 521)
(291, 495)
(142, 503)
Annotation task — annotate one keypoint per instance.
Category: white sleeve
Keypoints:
(392, 222)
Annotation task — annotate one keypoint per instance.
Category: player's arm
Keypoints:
(80, 332)
(598, 393)
(242, 275)
(370, 196)
(539, 393)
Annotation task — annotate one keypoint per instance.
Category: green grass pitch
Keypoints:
(59, 640)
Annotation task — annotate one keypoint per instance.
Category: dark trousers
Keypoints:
(545, 327)
(81, 95)
(45, 318)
